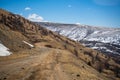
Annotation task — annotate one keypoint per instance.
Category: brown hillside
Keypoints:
(53, 57)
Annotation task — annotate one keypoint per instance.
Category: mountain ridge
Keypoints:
(78, 25)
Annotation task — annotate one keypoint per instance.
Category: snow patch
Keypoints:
(96, 32)
(4, 51)
(109, 50)
(28, 44)
(94, 47)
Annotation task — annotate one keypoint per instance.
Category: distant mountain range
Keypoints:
(106, 40)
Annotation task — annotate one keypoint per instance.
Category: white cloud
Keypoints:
(27, 8)
(69, 6)
(106, 2)
(34, 17)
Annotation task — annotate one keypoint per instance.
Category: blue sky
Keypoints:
(91, 12)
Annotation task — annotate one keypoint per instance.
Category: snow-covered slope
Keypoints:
(84, 33)
(4, 50)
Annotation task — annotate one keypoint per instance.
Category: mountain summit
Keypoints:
(40, 54)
